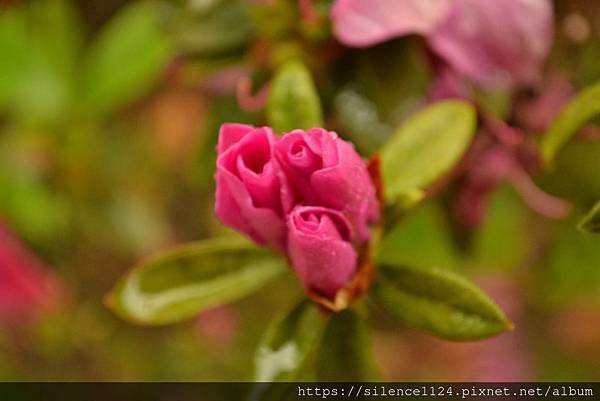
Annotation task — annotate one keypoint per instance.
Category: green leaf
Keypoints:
(221, 30)
(579, 110)
(426, 147)
(345, 353)
(293, 100)
(182, 282)
(591, 221)
(287, 343)
(126, 58)
(440, 302)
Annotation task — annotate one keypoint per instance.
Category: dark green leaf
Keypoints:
(287, 343)
(345, 353)
(293, 99)
(591, 221)
(579, 110)
(126, 58)
(426, 147)
(440, 302)
(180, 283)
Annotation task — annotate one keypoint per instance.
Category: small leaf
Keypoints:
(426, 147)
(287, 342)
(126, 59)
(180, 283)
(579, 110)
(440, 302)
(345, 353)
(293, 99)
(591, 221)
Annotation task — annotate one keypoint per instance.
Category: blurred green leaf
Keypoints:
(345, 353)
(569, 270)
(503, 241)
(573, 116)
(440, 302)
(421, 240)
(426, 147)
(287, 343)
(591, 221)
(57, 32)
(221, 29)
(576, 173)
(126, 59)
(13, 42)
(293, 99)
(38, 56)
(33, 209)
(361, 120)
(180, 283)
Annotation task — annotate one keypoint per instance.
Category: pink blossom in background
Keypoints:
(496, 42)
(535, 114)
(363, 23)
(501, 154)
(307, 193)
(26, 285)
(489, 41)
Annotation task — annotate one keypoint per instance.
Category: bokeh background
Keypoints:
(109, 112)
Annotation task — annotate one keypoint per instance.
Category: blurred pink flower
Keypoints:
(489, 41)
(26, 285)
(495, 42)
(363, 23)
(535, 114)
(500, 154)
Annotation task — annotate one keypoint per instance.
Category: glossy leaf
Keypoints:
(426, 147)
(126, 59)
(180, 283)
(293, 99)
(287, 343)
(345, 353)
(440, 302)
(579, 110)
(591, 221)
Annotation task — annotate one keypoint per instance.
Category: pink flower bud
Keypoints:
(308, 193)
(320, 249)
(251, 190)
(324, 170)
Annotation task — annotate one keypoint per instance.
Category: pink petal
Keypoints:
(230, 134)
(362, 23)
(496, 42)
